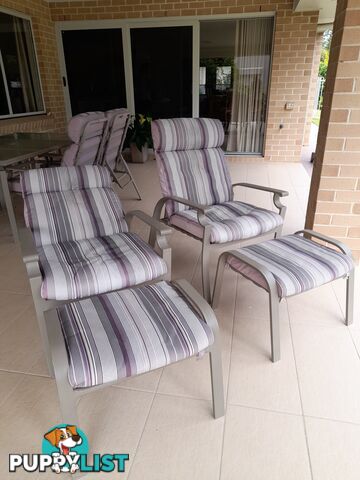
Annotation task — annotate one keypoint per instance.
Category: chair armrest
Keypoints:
(280, 193)
(184, 201)
(341, 246)
(29, 252)
(159, 227)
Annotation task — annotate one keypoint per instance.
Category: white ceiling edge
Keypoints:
(326, 9)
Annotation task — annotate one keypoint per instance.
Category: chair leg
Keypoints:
(205, 270)
(68, 403)
(219, 279)
(41, 306)
(274, 327)
(350, 290)
(217, 384)
(128, 171)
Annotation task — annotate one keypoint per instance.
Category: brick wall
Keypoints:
(44, 36)
(313, 87)
(294, 42)
(334, 203)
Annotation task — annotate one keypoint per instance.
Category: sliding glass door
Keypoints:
(162, 68)
(235, 60)
(94, 69)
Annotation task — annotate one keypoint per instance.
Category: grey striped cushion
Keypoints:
(190, 161)
(117, 126)
(126, 333)
(70, 203)
(229, 221)
(78, 269)
(298, 264)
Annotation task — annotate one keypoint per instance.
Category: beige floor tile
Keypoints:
(181, 440)
(261, 445)
(13, 276)
(20, 345)
(334, 449)
(256, 381)
(316, 307)
(11, 306)
(8, 382)
(147, 382)
(328, 368)
(27, 414)
(113, 420)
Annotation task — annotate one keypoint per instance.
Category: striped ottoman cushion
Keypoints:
(126, 333)
(230, 221)
(78, 269)
(297, 264)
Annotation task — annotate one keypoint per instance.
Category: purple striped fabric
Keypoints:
(79, 269)
(297, 264)
(71, 203)
(122, 334)
(87, 131)
(190, 161)
(229, 222)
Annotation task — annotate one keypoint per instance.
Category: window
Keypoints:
(223, 78)
(20, 87)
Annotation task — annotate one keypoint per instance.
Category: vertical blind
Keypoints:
(250, 85)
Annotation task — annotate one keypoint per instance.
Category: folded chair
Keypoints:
(78, 242)
(118, 123)
(87, 132)
(197, 191)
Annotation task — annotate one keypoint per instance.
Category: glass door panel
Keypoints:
(95, 69)
(162, 70)
(235, 60)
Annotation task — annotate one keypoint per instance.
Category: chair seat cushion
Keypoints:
(297, 264)
(78, 269)
(121, 334)
(229, 221)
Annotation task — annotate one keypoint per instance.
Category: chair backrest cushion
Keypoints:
(70, 203)
(190, 161)
(118, 120)
(87, 131)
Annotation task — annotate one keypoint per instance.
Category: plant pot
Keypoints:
(138, 156)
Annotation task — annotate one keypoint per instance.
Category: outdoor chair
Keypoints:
(102, 340)
(87, 132)
(197, 192)
(118, 123)
(78, 242)
(288, 266)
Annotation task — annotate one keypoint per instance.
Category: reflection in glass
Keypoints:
(236, 55)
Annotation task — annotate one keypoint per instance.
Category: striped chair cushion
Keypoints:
(186, 134)
(126, 333)
(198, 175)
(297, 264)
(229, 221)
(117, 127)
(78, 269)
(190, 162)
(74, 203)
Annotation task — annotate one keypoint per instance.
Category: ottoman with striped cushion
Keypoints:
(288, 266)
(104, 339)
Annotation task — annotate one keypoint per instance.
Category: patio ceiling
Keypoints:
(326, 8)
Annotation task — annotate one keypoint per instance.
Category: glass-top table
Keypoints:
(19, 147)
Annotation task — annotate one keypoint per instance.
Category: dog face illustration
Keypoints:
(64, 438)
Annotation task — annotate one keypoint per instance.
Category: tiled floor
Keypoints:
(297, 419)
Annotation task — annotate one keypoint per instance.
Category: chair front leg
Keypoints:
(219, 279)
(217, 383)
(41, 306)
(350, 291)
(205, 257)
(274, 326)
(165, 253)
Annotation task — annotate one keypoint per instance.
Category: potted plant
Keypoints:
(139, 138)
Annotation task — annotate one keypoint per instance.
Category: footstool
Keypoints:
(98, 341)
(288, 266)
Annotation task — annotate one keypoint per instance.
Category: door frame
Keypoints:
(126, 26)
